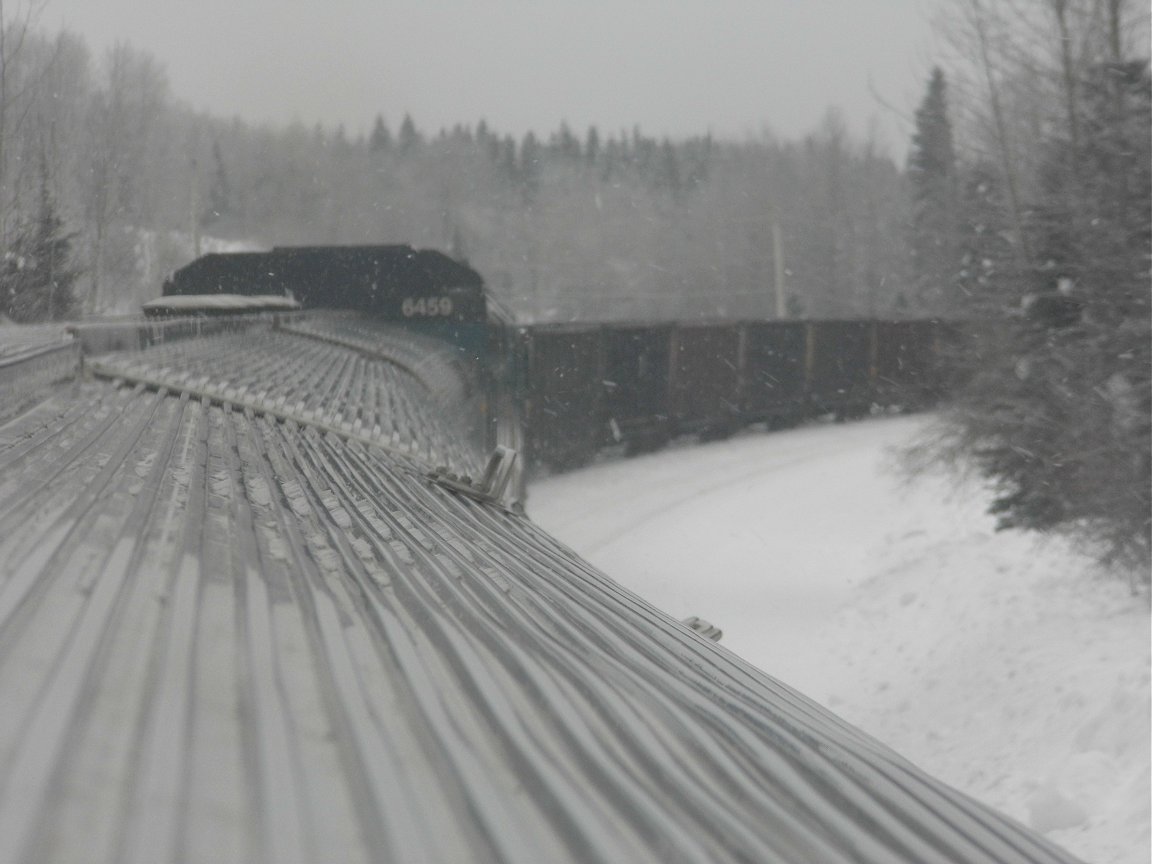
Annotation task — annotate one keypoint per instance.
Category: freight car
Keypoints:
(582, 388)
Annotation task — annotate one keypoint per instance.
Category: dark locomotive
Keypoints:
(393, 280)
(575, 389)
(422, 288)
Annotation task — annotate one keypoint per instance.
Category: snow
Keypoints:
(1011, 668)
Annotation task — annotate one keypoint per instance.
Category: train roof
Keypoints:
(243, 619)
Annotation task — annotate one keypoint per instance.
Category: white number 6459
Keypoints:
(425, 307)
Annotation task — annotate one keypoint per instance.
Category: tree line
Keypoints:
(99, 159)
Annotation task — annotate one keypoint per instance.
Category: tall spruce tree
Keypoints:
(380, 141)
(1099, 238)
(410, 138)
(985, 261)
(531, 166)
(932, 174)
(38, 279)
(1056, 412)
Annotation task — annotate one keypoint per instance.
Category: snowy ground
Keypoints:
(1010, 669)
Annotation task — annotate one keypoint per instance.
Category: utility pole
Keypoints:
(778, 271)
(193, 208)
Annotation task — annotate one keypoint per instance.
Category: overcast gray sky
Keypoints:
(677, 67)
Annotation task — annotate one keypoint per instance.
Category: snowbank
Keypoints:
(1009, 668)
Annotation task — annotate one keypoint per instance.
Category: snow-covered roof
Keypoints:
(240, 622)
(184, 303)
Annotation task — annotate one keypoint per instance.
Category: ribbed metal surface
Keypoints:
(27, 369)
(310, 380)
(435, 364)
(226, 636)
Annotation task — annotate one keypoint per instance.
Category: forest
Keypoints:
(573, 225)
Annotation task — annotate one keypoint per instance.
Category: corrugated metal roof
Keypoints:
(232, 633)
(325, 373)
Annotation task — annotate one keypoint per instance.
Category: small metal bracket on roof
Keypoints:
(705, 629)
(496, 484)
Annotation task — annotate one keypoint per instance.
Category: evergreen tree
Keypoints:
(38, 280)
(1057, 410)
(592, 146)
(380, 141)
(505, 157)
(696, 155)
(932, 173)
(565, 144)
(668, 170)
(1100, 247)
(531, 165)
(611, 161)
(409, 137)
(985, 261)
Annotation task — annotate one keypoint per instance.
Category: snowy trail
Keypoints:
(1008, 668)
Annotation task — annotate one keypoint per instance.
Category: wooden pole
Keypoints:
(778, 271)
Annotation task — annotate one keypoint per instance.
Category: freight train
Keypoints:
(574, 389)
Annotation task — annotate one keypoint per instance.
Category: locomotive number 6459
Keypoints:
(426, 307)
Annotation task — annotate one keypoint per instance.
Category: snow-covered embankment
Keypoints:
(1011, 669)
